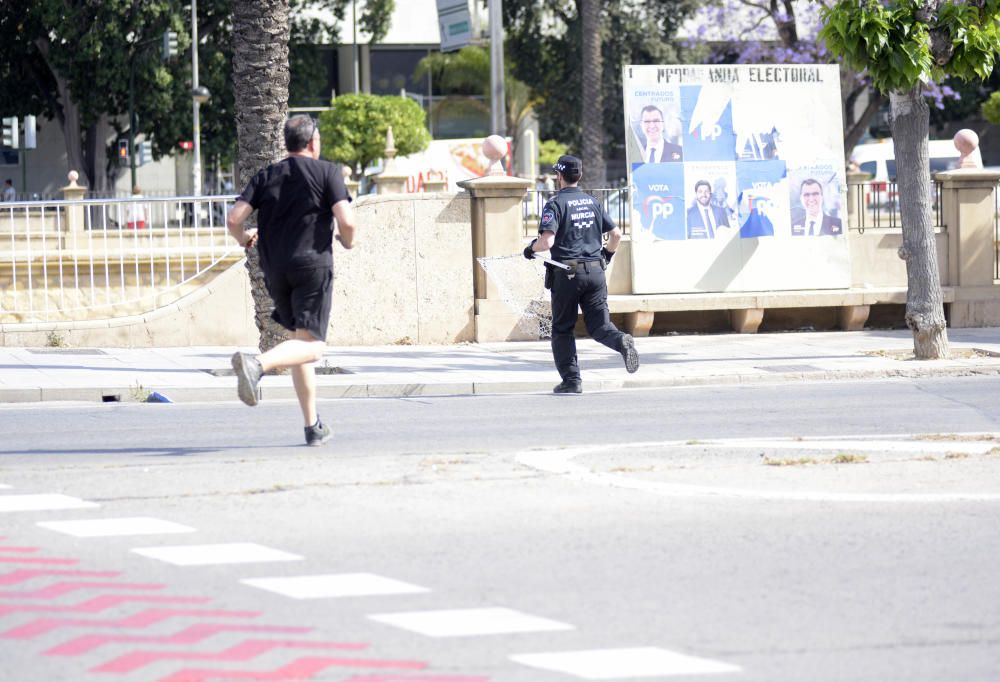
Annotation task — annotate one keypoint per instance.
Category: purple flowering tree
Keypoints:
(782, 32)
(786, 32)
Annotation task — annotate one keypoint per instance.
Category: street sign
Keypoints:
(455, 24)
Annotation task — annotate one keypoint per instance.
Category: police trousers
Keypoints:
(587, 290)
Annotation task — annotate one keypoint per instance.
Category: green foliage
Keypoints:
(466, 72)
(550, 151)
(991, 109)
(354, 128)
(59, 57)
(902, 43)
(544, 45)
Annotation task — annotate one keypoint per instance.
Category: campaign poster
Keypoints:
(737, 178)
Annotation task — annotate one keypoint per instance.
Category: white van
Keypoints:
(878, 159)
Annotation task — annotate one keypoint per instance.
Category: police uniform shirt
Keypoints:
(579, 221)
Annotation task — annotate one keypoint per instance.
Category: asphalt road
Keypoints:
(789, 532)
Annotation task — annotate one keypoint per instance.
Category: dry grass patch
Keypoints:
(956, 455)
(790, 461)
(845, 458)
(956, 437)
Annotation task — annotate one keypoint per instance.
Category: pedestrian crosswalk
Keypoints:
(214, 555)
(334, 585)
(42, 502)
(467, 622)
(104, 528)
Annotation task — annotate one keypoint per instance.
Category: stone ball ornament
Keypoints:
(495, 148)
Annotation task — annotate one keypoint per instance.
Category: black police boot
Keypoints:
(567, 387)
(630, 354)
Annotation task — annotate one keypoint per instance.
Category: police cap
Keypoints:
(568, 166)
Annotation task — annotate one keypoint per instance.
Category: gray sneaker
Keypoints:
(248, 372)
(318, 433)
(630, 354)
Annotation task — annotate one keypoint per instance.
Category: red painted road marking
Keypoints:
(189, 635)
(21, 575)
(136, 621)
(37, 560)
(18, 550)
(59, 589)
(244, 651)
(98, 604)
(301, 669)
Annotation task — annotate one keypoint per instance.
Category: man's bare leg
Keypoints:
(300, 353)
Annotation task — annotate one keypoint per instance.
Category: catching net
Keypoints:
(521, 284)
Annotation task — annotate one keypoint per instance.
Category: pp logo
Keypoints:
(762, 204)
(713, 132)
(658, 207)
(548, 217)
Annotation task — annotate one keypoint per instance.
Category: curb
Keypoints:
(190, 394)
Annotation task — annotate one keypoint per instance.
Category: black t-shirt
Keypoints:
(294, 199)
(579, 222)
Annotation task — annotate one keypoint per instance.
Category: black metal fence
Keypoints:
(614, 200)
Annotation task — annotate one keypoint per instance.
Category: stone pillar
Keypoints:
(969, 210)
(855, 195)
(390, 180)
(497, 230)
(352, 185)
(74, 213)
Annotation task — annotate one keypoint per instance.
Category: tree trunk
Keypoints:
(260, 88)
(594, 170)
(924, 302)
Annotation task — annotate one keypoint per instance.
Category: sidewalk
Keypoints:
(204, 374)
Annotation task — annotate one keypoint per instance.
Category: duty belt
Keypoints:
(581, 264)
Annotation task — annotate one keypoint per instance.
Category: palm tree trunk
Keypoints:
(260, 88)
(592, 123)
(924, 301)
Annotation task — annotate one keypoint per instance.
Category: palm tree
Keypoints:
(260, 88)
(592, 116)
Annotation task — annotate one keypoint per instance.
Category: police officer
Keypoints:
(571, 227)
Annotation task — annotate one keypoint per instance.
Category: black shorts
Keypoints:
(302, 299)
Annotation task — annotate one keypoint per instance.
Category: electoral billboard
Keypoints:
(737, 178)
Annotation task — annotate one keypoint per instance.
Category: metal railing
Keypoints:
(99, 259)
(614, 200)
(877, 205)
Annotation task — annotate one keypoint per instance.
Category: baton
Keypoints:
(552, 262)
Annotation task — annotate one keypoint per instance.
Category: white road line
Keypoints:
(42, 502)
(560, 462)
(334, 585)
(614, 664)
(99, 528)
(210, 555)
(469, 622)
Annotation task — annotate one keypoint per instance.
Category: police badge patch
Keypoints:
(548, 216)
